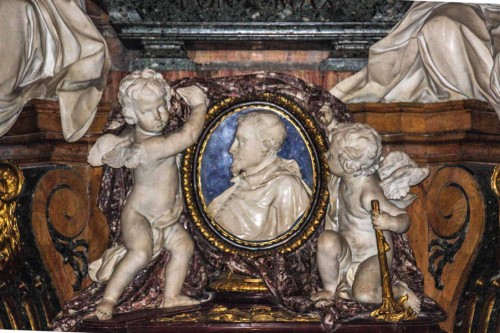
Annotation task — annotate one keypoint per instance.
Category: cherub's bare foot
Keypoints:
(324, 294)
(104, 310)
(169, 302)
(413, 301)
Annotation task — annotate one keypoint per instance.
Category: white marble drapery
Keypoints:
(51, 47)
(264, 205)
(438, 52)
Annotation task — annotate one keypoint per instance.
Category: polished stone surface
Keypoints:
(165, 30)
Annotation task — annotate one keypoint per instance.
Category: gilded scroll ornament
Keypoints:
(254, 314)
(495, 181)
(11, 183)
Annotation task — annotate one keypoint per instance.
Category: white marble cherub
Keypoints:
(347, 249)
(149, 219)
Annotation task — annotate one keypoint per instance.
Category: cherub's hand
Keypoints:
(326, 114)
(193, 95)
(382, 221)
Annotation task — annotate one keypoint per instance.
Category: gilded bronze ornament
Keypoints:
(232, 282)
(391, 309)
(495, 181)
(30, 309)
(11, 183)
(254, 314)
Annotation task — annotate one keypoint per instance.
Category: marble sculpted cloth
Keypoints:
(51, 47)
(101, 269)
(264, 205)
(438, 52)
(291, 278)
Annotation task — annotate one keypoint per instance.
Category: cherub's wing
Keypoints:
(119, 156)
(103, 145)
(398, 173)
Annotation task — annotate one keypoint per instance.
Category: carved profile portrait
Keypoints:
(256, 173)
(267, 194)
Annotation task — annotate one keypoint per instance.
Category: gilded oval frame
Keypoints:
(316, 144)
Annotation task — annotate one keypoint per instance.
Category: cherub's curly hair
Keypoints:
(141, 83)
(360, 148)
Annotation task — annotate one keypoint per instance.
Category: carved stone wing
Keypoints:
(119, 156)
(398, 172)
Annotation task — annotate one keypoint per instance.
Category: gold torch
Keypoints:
(390, 310)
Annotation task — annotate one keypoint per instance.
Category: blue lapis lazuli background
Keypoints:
(216, 163)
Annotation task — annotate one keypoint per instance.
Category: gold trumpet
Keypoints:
(391, 310)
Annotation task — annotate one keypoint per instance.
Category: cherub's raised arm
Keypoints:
(179, 140)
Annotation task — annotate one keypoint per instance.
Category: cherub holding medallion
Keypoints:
(149, 219)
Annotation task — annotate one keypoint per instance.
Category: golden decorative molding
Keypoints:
(237, 283)
(485, 310)
(30, 310)
(470, 311)
(12, 313)
(11, 183)
(316, 144)
(495, 181)
(48, 311)
(485, 316)
(254, 314)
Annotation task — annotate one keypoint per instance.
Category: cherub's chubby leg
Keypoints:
(181, 247)
(333, 256)
(367, 286)
(138, 240)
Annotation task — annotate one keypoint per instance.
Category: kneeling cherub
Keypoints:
(347, 255)
(149, 219)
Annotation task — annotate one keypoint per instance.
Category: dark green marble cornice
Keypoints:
(163, 30)
(168, 11)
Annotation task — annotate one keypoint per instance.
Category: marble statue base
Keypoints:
(211, 317)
